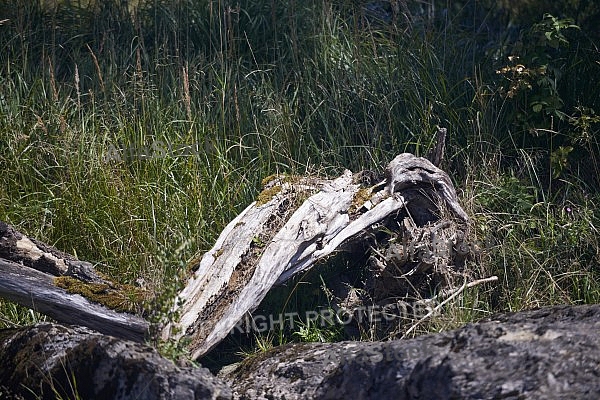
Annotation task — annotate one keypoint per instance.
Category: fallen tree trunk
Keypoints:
(17, 247)
(38, 291)
(297, 223)
(31, 273)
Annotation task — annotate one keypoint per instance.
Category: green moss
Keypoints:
(266, 195)
(270, 178)
(360, 197)
(121, 298)
(194, 262)
(281, 178)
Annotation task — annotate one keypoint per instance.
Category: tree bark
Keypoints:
(37, 290)
(17, 247)
(28, 272)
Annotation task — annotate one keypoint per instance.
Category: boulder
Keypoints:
(50, 361)
(550, 353)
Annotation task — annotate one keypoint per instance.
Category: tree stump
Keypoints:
(300, 221)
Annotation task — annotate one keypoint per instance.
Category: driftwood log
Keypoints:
(295, 223)
(28, 272)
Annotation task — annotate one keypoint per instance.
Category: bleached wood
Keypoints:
(298, 222)
(219, 288)
(28, 268)
(235, 276)
(292, 245)
(17, 247)
(36, 290)
(342, 232)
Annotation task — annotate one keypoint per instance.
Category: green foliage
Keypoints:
(310, 331)
(545, 253)
(535, 73)
(13, 315)
(550, 32)
(586, 13)
(549, 99)
(559, 159)
(159, 310)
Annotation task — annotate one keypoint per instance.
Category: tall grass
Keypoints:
(202, 99)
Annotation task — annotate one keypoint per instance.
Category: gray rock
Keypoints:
(50, 361)
(551, 353)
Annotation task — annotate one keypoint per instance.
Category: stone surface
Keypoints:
(551, 353)
(50, 361)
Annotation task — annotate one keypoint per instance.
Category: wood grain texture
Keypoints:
(296, 223)
(269, 243)
(36, 290)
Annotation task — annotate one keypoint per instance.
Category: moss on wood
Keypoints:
(266, 195)
(273, 184)
(121, 298)
(266, 180)
(359, 199)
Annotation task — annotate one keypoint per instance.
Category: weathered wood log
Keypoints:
(36, 275)
(296, 224)
(38, 291)
(17, 247)
(436, 154)
(51, 361)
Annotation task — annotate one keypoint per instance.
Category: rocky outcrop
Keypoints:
(550, 353)
(50, 361)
